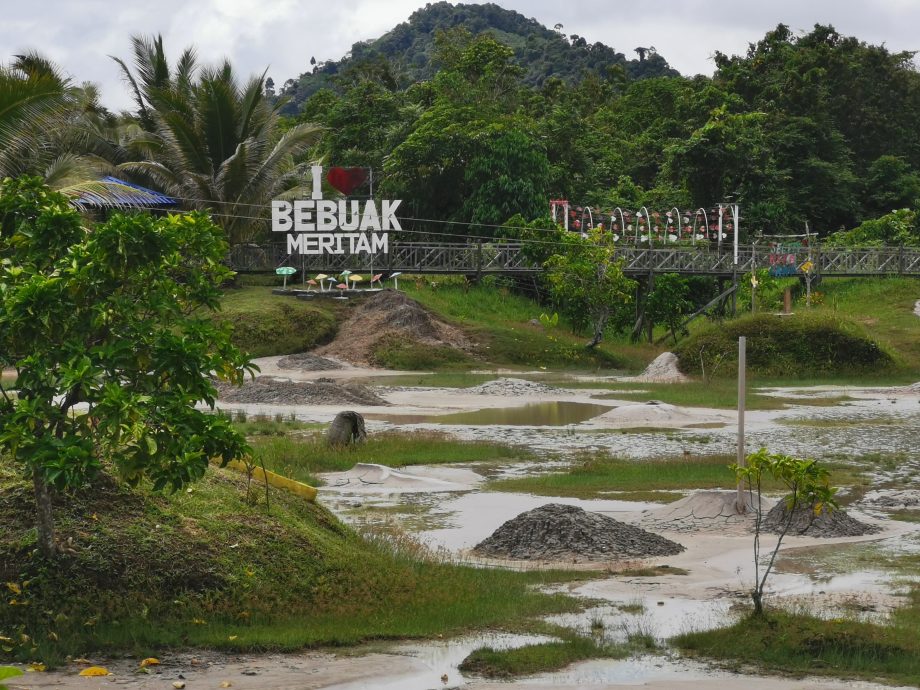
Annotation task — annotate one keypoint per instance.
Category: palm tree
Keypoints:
(39, 134)
(212, 143)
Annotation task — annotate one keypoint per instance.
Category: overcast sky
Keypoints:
(282, 35)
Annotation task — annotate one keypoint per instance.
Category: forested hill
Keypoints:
(407, 50)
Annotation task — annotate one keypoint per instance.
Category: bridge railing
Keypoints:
(508, 257)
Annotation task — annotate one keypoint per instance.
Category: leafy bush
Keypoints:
(797, 345)
(893, 229)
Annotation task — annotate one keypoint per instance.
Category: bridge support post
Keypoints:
(478, 261)
(735, 293)
(650, 325)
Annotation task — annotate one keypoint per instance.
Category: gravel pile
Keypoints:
(507, 386)
(556, 532)
(828, 524)
(265, 389)
(307, 361)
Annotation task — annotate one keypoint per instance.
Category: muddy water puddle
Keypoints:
(555, 413)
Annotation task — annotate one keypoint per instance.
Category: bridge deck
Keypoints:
(507, 258)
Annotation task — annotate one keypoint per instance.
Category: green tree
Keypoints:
(211, 142)
(49, 126)
(108, 332)
(587, 281)
(809, 490)
(669, 301)
(471, 156)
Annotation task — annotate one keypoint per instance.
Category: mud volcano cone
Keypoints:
(558, 532)
(828, 524)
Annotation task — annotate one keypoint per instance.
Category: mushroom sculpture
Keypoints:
(355, 279)
(395, 277)
(311, 284)
(332, 281)
(344, 275)
(342, 287)
(376, 279)
(319, 279)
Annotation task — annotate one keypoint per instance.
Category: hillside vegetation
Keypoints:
(406, 53)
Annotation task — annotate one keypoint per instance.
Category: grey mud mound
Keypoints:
(827, 525)
(390, 315)
(663, 369)
(704, 510)
(307, 361)
(273, 391)
(509, 386)
(556, 532)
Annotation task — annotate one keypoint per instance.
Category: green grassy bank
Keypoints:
(142, 572)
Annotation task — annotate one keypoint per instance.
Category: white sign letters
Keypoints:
(324, 226)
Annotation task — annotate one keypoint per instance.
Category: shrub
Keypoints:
(799, 345)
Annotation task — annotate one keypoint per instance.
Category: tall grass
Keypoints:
(301, 457)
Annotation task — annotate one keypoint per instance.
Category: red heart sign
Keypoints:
(346, 180)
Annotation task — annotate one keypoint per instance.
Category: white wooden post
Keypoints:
(742, 383)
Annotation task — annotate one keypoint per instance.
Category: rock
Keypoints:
(558, 532)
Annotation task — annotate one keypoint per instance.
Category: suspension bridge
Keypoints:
(509, 258)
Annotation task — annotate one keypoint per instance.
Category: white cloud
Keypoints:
(284, 34)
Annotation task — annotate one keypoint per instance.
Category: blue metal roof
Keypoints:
(110, 192)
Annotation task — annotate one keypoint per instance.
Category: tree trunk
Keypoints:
(600, 324)
(346, 428)
(757, 597)
(45, 516)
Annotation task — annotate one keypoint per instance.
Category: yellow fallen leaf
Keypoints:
(226, 684)
(150, 661)
(52, 636)
(94, 671)
(198, 621)
(178, 684)
(232, 637)
(14, 588)
(83, 661)
(36, 666)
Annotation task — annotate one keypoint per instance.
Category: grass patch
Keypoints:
(799, 345)
(273, 426)
(394, 352)
(264, 324)
(905, 515)
(299, 458)
(538, 658)
(499, 320)
(649, 571)
(601, 476)
(803, 644)
(206, 568)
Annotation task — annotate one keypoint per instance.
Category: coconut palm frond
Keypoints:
(112, 193)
